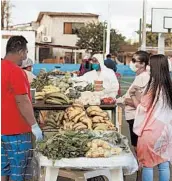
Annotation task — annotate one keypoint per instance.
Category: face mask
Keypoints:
(148, 68)
(95, 66)
(170, 64)
(133, 67)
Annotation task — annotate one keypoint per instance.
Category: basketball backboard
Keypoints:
(161, 20)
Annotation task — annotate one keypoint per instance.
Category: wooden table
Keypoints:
(40, 105)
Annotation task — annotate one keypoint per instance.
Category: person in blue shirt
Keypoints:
(109, 63)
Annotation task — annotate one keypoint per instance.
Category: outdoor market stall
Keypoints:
(79, 132)
(109, 150)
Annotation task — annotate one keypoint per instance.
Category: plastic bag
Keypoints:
(33, 167)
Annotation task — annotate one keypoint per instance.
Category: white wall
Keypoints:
(55, 28)
(47, 22)
(30, 37)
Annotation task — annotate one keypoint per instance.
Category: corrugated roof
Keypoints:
(56, 46)
(41, 14)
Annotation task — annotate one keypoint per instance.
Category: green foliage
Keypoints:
(90, 37)
(152, 38)
(116, 41)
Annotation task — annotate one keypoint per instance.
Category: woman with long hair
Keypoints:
(153, 121)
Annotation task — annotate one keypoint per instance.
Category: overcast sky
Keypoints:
(125, 14)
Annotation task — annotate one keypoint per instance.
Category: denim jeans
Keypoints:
(164, 172)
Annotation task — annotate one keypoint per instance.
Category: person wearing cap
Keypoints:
(27, 67)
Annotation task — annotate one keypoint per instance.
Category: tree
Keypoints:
(5, 13)
(152, 38)
(116, 40)
(90, 37)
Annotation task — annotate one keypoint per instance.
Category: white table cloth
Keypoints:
(124, 163)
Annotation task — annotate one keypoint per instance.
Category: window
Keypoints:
(72, 28)
(69, 58)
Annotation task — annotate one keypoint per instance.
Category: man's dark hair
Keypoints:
(15, 44)
(108, 56)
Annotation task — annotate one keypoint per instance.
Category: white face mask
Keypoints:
(148, 68)
(170, 64)
(133, 67)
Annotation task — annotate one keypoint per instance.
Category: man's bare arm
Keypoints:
(26, 109)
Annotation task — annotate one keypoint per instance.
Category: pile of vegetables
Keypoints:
(73, 144)
(46, 90)
(65, 145)
(94, 118)
(73, 93)
(44, 79)
(114, 138)
(76, 118)
(53, 120)
(45, 84)
(88, 87)
(57, 98)
(100, 148)
(64, 83)
(100, 118)
(41, 81)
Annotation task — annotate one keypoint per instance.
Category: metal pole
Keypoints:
(140, 33)
(108, 31)
(75, 57)
(143, 47)
(104, 40)
(161, 43)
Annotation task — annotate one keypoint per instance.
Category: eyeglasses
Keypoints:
(134, 60)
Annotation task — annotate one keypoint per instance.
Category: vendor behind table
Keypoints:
(100, 72)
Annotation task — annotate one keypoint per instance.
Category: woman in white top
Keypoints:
(138, 64)
(27, 67)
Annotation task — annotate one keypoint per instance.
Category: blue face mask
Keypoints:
(95, 66)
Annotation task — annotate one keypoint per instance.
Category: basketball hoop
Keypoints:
(161, 24)
(161, 19)
(168, 23)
